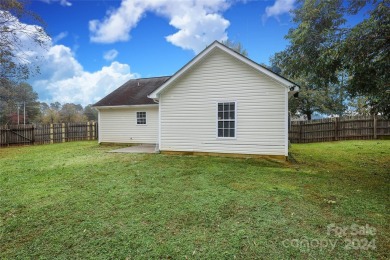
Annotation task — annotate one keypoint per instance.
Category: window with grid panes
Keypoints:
(141, 118)
(227, 119)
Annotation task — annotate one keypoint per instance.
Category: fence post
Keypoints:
(63, 132)
(88, 131)
(93, 131)
(336, 129)
(51, 134)
(300, 132)
(7, 136)
(375, 126)
(33, 134)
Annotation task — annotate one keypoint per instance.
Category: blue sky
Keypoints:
(97, 45)
(147, 51)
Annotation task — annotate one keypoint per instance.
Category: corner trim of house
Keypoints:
(99, 128)
(229, 155)
(286, 123)
(159, 125)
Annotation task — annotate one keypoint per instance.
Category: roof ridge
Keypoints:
(152, 77)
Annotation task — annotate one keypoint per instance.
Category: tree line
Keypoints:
(338, 66)
(19, 104)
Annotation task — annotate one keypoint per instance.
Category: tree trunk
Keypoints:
(308, 114)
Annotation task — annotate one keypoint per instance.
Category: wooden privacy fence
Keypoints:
(321, 130)
(47, 134)
(343, 128)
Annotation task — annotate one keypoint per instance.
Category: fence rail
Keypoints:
(47, 134)
(321, 130)
(343, 128)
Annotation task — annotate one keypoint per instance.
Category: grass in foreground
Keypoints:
(74, 200)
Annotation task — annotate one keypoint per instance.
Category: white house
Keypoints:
(220, 102)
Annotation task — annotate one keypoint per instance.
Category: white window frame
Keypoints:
(235, 120)
(136, 117)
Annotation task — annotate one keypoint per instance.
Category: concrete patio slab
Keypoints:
(142, 148)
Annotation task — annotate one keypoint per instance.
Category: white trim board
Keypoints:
(126, 106)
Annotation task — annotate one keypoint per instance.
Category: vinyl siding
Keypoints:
(119, 125)
(189, 109)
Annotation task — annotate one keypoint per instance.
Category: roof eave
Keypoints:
(124, 106)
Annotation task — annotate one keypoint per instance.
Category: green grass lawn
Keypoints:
(75, 200)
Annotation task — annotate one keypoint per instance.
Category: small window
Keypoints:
(227, 119)
(141, 118)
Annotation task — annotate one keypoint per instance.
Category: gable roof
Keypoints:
(217, 45)
(133, 92)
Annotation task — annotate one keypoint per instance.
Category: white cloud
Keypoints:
(110, 55)
(117, 25)
(86, 87)
(65, 3)
(59, 63)
(62, 2)
(60, 36)
(199, 22)
(62, 77)
(278, 8)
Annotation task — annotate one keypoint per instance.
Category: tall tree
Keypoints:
(6, 103)
(337, 62)
(27, 98)
(17, 99)
(236, 46)
(56, 106)
(366, 53)
(312, 57)
(13, 57)
(72, 113)
(49, 114)
(91, 113)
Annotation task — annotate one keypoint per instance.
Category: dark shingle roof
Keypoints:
(133, 92)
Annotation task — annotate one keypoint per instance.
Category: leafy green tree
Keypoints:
(72, 113)
(366, 56)
(49, 114)
(14, 99)
(91, 113)
(337, 63)
(358, 106)
(313, 57)
(43, 106)
(28, 99)
(56, 106)
(7, 105)
(67, 113)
